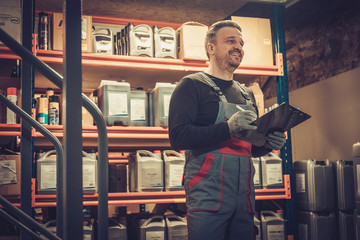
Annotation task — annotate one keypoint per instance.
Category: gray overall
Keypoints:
(219, 186)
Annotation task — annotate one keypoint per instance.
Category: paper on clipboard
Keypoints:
(282, 118)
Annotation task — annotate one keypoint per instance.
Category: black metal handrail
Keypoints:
(52, 138)
(57, 79)
(27, 219)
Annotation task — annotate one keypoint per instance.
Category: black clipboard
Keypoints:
(282, 118)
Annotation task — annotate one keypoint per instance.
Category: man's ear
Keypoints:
(211, 48)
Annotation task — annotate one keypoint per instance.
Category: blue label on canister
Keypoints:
(42, 118)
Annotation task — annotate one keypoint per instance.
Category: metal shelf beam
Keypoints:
(283, 96)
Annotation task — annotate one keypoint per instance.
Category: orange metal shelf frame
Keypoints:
(114, 132)
(49, 200)
(96, 60)
(10, 130)
(91, 131)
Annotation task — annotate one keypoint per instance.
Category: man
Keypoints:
(210, 116)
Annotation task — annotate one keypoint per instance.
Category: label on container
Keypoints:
(54, 105)
(43, 118)
(257, 174)
(166, 104)
(137, 110)
(89, 177)
(53, 116)
(300, 182)
(8, 172)
(42, 105)
(274, 173)
(151, 176)
(275, 232)
(10, 115)
(358, 177)
(175, 175)
(303, 231)
(118, 104)
(155, 235)
(83, 29)
(48, 176)
(178, 234)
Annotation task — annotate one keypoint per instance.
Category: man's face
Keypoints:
(228, 48)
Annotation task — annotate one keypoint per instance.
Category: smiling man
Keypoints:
(210, 117)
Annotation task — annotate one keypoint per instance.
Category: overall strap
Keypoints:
(206, 79)
(245, 94)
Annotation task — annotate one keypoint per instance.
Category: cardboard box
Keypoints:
(191, 41)
(58, 32)
(259, 97)
(258, 46)
(87, 118)
(11, 18)
(10, 182)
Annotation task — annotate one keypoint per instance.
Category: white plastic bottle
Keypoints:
(12, 96)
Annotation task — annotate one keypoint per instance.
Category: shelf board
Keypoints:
(143, 71)
(139, 71)
(98, 60)
(6, 53)
(119, 137)
(127, 198)
(10, 130)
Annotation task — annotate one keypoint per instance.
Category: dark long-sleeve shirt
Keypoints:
(193, 111)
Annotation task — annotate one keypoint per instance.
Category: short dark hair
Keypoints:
(213, 30)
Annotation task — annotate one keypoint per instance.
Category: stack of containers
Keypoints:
(272, 225)
(139, 108)
(161, 95)
(176, 228)
(165, 44)
(114, 102)
(315, 199)
(152, 228)
(141, 40)
(46, 173)
(345, 198)
(271, 170)
(173, 170)
(356, 164)
(117, 231)
(12, 96)
(145, 172)
(51, 227)
(257, 176)
(257, 225)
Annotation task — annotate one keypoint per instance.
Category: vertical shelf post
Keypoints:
(283, 96)
(72, 163)
(26, 102)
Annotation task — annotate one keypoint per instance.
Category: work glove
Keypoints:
(241, 121)
(275, 140)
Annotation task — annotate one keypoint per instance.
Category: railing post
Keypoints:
(26, 102)
(72, 87)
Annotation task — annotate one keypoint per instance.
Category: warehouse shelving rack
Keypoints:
(28, 197)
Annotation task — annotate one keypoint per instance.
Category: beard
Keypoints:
(227, 62)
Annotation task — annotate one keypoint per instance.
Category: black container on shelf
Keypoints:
(43, 31)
